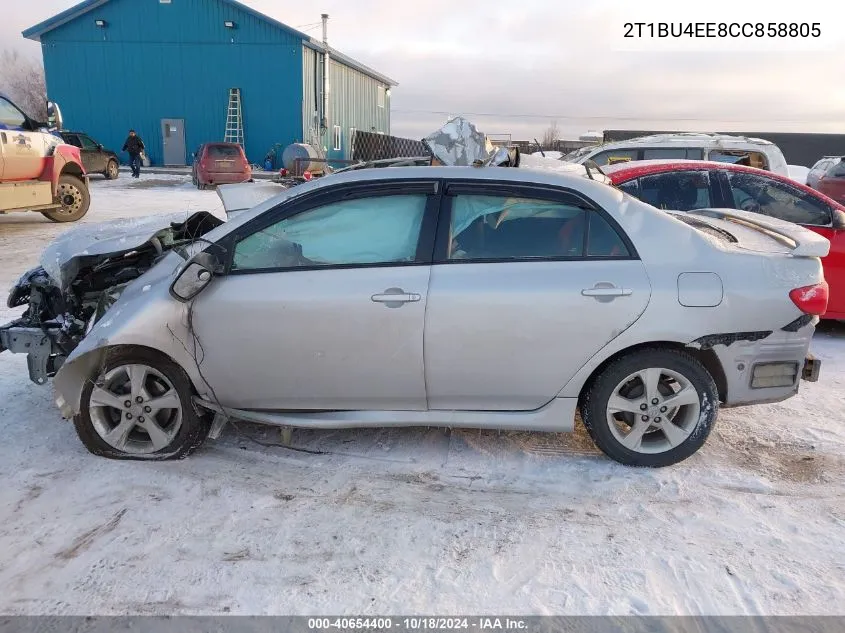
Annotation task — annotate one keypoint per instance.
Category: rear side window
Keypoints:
(677, 191)
(505, 228)
(632, 187)
(72, 139)
(768, 196)
(222, 152)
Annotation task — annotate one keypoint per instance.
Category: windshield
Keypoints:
(572, 157)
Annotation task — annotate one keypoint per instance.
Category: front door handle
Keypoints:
(395, 297)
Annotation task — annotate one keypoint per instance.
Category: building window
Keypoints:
(337, 137)
(381, 96)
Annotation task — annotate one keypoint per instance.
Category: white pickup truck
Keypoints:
(38, 171)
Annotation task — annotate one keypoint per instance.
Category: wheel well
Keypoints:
(73, 169)
(706, 357)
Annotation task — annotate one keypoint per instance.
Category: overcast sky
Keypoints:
(513, 66)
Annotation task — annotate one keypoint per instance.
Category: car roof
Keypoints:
(623, 172)
(688, 137)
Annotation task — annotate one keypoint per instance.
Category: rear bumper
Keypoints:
(770, 369)
(224, 178)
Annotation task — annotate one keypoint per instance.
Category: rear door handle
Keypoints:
(612, 291)
(395, 297)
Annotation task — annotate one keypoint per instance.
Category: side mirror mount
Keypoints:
(193, 277)
(54, 115)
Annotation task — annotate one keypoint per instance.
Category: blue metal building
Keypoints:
(166, 67)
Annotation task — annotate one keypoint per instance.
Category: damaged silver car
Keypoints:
(443, 296)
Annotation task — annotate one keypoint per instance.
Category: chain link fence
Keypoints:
(368, 146)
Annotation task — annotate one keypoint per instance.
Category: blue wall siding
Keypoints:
(177, 60)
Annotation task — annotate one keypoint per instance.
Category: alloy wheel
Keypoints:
(136, 409)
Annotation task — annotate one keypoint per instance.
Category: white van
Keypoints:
(754, 152)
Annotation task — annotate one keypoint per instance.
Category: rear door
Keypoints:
(528, 284)
(94, 159)
(778, 199)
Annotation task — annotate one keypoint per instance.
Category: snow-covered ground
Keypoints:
(414, 520)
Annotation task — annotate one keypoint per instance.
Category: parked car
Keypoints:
(691, 185)
(754, 152)
(819, 169)
(95, 158)
(220, 164)
(832, 182)
(444, 296)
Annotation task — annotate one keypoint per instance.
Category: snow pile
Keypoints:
(417, 521)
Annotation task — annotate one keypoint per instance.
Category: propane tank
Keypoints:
(307, 155)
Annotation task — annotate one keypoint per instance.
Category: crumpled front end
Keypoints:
(83, 273)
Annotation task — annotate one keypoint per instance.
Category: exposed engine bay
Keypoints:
(80, 277)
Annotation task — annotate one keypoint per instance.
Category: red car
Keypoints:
(687, 185)
(832, 182)
(220, 164)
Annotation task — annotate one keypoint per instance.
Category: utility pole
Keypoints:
(324, 122)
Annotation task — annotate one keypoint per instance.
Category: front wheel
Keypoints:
(652, 408)
(112, 171)
(139, 405)
(72, 193)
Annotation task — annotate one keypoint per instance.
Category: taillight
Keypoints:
(811, 299)
(283, 172)
(307, 175)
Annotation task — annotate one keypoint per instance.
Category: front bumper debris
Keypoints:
(812, 368)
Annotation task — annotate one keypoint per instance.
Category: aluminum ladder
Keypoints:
(234, 119)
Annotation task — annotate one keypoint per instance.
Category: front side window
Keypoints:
(777, 199)
(10, 116)
(511, 228)
(374, 230)
(677, 191)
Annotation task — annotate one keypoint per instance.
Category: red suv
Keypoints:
(832, 182)
(220, 164)
(689, 185)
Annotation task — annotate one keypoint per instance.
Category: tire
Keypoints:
(75, 198)
(109, 428)
(112, 170)
(629, 414)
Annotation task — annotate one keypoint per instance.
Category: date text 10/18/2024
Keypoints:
(417, 624)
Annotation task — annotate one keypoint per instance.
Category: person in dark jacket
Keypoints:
(134, 146)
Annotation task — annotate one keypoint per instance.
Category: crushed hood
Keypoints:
(89, 244)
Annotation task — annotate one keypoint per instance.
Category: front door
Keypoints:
(173, 142)
(518, 302)
(324, 305)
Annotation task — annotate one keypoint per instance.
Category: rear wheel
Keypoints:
(139, 405)
(653, 408)
(112, 170)
(74, 197)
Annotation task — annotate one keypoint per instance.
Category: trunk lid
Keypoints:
(757, 233)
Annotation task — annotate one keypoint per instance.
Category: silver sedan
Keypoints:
(462, 297)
